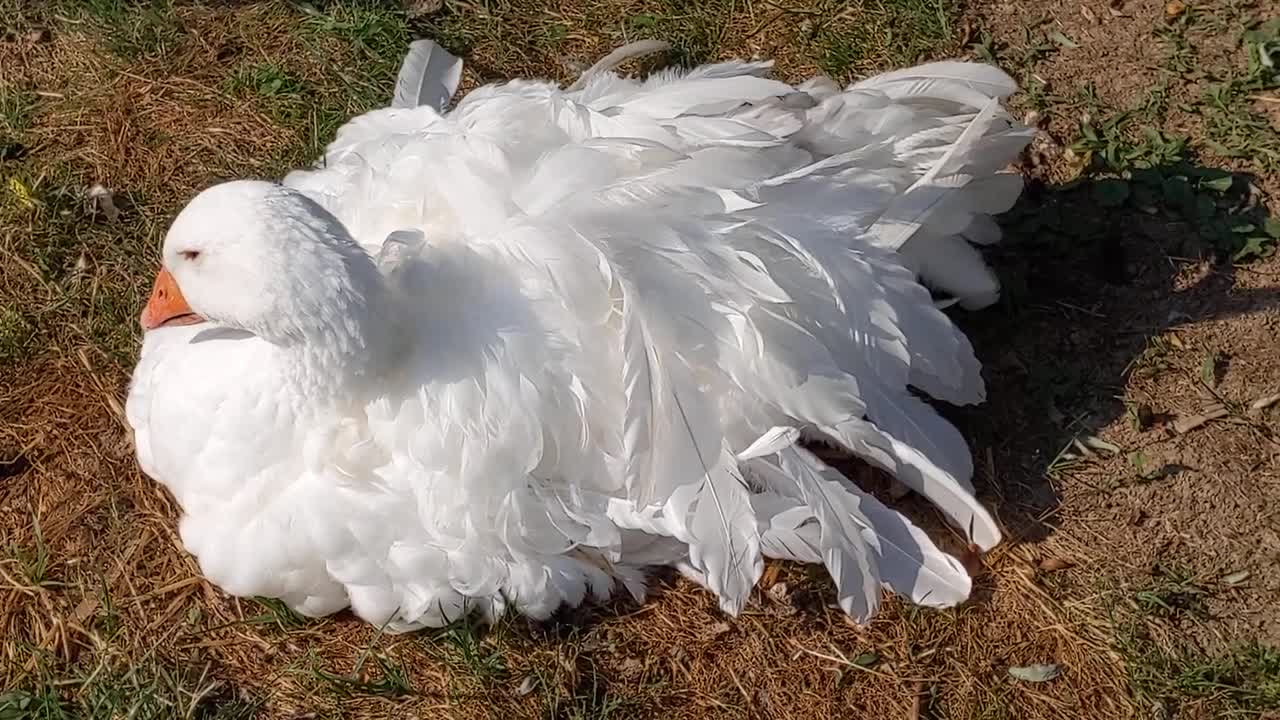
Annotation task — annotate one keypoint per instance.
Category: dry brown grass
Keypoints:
(101, 610)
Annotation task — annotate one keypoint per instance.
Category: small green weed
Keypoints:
(1172, 594)
(589, 699)
(465, 646)
(1111, 142)
(34, 562)
(278, 614)
(392, 679)
(1156, 173)
(266, 80)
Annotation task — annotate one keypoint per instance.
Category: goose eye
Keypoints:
(190, 254)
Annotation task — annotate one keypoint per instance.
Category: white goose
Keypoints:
(509, 356)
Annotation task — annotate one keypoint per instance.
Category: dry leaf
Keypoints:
(1263, 403)
(1097, 443)
(1062, 40)
(1035, 673)
(1174, 8)
(1235, 578)
(971, 559)
(778, 592)
(1053, 564)
(770, 575)
(527, 686)
(1088, 14)
(102, 201)
(22, 193)
(1187, 424)
(917, 697)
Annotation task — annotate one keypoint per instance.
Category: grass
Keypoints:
(16, 106)
(278, 614)
(1235, 129)
(151, 690)
(1166, 671)
(908, 29)
(133, 31)
(102, 614)
(1127, 159)
(842, 39)
(1246, 681)
(16, 333)
(475, 653)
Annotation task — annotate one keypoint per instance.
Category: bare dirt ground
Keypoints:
(1129, 445)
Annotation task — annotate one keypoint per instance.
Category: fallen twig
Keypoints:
(1263, 403)
(1187, 424)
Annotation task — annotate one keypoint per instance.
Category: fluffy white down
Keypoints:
(609, 315)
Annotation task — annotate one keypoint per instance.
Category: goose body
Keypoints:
(511, 355)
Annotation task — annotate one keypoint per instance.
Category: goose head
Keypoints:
(266, 260)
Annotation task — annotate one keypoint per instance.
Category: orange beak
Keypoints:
(167, 307)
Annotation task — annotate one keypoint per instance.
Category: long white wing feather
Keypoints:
(428, 76)
(909, 562)
(986, 79)
(917, 472)
(847, 553)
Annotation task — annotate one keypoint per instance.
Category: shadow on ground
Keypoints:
(1092, 271)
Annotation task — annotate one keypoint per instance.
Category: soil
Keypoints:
(1199, 503)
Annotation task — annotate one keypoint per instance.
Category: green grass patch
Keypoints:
(358, 46)
(16, 333)
(275, 612)
(1235, 127)
(893, 32)
(107, 690)
(132, 30)
(1164, 674)
(265, 80)
(17, 108)
(471, 650)
(79, 259)
(1244, 681)
(1131, 162)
